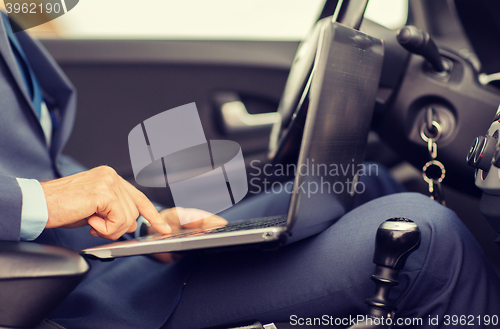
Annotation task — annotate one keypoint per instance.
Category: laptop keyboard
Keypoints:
(231, 227)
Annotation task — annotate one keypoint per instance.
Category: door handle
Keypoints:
(235, 116)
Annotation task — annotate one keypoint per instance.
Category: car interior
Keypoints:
(438, 92)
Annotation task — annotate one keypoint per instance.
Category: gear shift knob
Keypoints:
(396, 239)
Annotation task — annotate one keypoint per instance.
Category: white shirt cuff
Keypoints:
(34, 212)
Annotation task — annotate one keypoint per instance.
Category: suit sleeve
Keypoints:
(10, 208)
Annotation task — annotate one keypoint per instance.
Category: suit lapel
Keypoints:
(52, 80)
(54, 83)
(8, 55)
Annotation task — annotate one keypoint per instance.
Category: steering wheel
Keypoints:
(286, 134)
(287, 130)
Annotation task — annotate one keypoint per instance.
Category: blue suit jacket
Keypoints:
(23, 151)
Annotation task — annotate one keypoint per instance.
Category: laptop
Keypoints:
(338, 98)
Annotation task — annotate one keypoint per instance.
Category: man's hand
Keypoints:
(197, 219)
(101, 198)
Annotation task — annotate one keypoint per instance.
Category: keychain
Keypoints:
(433, 171)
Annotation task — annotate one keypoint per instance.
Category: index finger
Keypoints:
(147, 209)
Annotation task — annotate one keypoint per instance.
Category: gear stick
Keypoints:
(396, 239)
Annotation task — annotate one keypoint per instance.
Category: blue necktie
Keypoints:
(24, 66)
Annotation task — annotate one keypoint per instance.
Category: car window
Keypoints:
(392, 14)
(191, 19)
(203, 19)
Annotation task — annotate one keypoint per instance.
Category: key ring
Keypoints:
(438, 134)
(435, 163)
(431, 141)
(435, 188)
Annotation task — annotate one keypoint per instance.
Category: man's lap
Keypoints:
(326, 274)
(329, 274)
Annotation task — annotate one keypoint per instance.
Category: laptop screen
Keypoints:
(341, 99)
